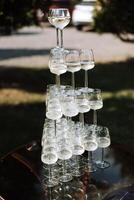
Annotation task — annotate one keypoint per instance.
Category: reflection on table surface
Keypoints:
(20, 177)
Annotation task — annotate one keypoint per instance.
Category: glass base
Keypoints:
(102, 165)
(77, 173)
(92, 167)
(51, 183)
(93, 192)
(65, 178)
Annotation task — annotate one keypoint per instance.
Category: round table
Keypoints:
(20, 171)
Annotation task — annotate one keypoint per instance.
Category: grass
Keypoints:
(22, 102)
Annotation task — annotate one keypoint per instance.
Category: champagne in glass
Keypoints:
(59, 22)
(95, 100)
(73, 63)
(87, 62)
(57, 64)
(103, 140)
(90, 144)
(60, 18)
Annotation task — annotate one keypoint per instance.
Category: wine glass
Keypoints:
(90, 144)
(82, 102)
(64, 153)
(68, 102)
(103, 140)
(95, 100)
(48, 130)
(57, 64)
(60, 18)
(49, 157)
(73, 63)
(53, 107)
(64, 145)
(78, 147)
(87, 62)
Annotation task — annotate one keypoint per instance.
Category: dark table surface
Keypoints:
(20, 177)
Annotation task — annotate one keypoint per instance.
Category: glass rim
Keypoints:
(96, 90)
(90, 49)
(58, 9)
(72, 51)
(99, 128)
(84, 89)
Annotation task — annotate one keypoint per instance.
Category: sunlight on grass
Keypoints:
(129, 94)
(15, 97)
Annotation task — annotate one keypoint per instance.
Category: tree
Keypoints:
(17, 13)
(115, 16)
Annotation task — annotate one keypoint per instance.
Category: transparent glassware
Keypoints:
(65, 147)
(49, 176)
(55, 91)
(62, 131)
(96, 102)
(104, 141)
(49, 157)
(73, 190)
(57, 64)
(87, 62)
(59, 18)
(68, 102)
(52, 193)
(64, 153)
(73, 63)
(53, 106)
(78, 148)
(48, 132)
(90, 144)
(93, 193)
(82, 102)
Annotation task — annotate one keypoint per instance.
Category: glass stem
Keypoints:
(95, 117)
(50, 193)
(77, 163)
(102, 155)
(64, 167)
(49, 173)
(55, 126)
(57, 36)
(89, 157)
(81, 118)
(73, 80)
(67, 118)
(58, 80)
(61, 42)
(86, 78)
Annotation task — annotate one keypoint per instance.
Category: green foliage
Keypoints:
(114, 16)
(73, 2)
(16, 13)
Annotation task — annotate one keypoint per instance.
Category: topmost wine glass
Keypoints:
(60, 18)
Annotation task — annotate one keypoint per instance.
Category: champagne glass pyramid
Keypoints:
(64, 140)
